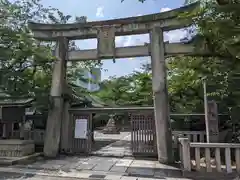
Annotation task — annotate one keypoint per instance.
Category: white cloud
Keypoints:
(124, 41)
(175, 35)
(99, 12)
(128, 41)
(172, 36)
(165, 9)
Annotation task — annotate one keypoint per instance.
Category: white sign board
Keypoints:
(80, 129)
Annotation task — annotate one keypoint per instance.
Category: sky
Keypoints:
(111, 9)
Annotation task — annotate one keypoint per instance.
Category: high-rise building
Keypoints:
(90, 79)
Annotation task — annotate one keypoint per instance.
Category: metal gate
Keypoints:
(81, 133)
(143, 134)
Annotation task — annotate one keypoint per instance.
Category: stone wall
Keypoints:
(16, 148)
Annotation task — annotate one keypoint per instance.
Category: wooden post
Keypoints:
(54, 122)
(160, 95)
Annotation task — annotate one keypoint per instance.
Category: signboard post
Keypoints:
(80, 129)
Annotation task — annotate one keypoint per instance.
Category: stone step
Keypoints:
(6, 161)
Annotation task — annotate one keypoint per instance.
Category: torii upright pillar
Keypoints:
(55, 114)
(160, 95)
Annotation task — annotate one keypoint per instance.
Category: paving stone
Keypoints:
(142, 178)
(164, 166)
(44, 166)
(81, 175)
(141, 163)
(128, 178)
(97, 176)
(85, 166)
(144, 172)
(121, 169)
(34, 165)
(70, 166)
(169, 173)
(58, 162)
(178, 179)
(52, 166)
(97, 172)
(124, 162)
(119, 148)
(160, 174)
(105, 166)
(113, 177)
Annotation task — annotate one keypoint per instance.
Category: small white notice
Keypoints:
(80, 129)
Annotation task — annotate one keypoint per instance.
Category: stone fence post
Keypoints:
(185, 153)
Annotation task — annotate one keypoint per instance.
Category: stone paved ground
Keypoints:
(96, 168)
(123, 135)
(99, 168)
(118, 145)
(16, 176)
(118, 167)
(20, 176)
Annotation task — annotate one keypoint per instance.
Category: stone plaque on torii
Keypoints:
(105, 32)
(106, 42)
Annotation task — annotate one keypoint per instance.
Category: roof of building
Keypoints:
(7, 100)
(84, 98)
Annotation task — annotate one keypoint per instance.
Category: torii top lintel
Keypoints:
(124, 26)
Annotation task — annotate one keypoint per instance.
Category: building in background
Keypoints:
(90, 79)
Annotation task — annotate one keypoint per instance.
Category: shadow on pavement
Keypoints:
(98, 144)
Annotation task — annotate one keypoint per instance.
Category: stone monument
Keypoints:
(111, 127)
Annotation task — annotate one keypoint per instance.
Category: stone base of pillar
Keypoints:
(16, 148)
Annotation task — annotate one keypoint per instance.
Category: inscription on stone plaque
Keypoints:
(106, 42)
(213, 121)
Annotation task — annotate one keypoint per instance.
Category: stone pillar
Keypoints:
(185, 153)
(55, 114)
(160, 95)
(213, 122)
(65, 145)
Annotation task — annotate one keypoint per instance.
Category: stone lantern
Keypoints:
(111, 127)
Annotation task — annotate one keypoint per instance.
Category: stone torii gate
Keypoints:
(105, 32)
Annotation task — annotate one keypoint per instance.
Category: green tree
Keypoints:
(26, 64)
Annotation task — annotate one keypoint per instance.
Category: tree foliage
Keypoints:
(216, 24)
(26, 64)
